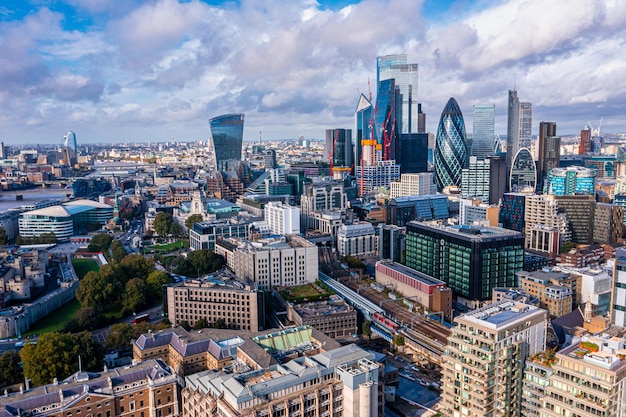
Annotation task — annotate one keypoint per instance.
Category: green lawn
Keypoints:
(84, 265)
(310, 292)
(55, 321)
(169, 246)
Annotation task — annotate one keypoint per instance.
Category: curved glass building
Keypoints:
(70, 148)
(451, 153)
(227, 134)
(523, 176)
(571, 180)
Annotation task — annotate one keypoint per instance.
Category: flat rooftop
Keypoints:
(496, 315)
(322, 308)
(412, 273)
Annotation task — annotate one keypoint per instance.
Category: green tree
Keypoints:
(567, 246)
(366, 327)
(163, 223)
(4, 239)
(185, 325)
(398, 340)
(193, 219)
(10, 371)
(121, 334)
(136, 266)
(99, 289)
(56, 356)
(47, 238)
(201, 324)
(200, 262)
(87, 318)
(220, 323)
(155, 282)
(118, 252)
(134, 296)
(100, 242)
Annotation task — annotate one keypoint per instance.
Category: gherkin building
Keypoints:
(451, 151)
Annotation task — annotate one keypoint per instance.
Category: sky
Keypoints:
(134, 70)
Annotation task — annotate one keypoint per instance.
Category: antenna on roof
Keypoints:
(80, 364)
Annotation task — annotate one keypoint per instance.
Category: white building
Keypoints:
(285, 261)
(377, 175)
(596, 285)
(414, 184)
(618, 302)
(358, 239)
(282, 218)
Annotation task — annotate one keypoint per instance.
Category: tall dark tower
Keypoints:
(451, 153)
(549, 145)
(512, 128)
(585, 141)
(227, 134)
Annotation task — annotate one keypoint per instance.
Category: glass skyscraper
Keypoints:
(362, 121)
(525, 125)
(451, 153)
(483, 133)
(405, 76)
(387, 118)
(523, 175)
(227, 133)
(571, 180)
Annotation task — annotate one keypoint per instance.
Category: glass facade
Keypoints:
(339, 147)
(405, 76)
(451, 153)
(511, 215)
(471, 261)
(483, 133)
(387, 117)
(526, 124)
(363, 119)
(571, 180)
(227, 133)
(413, 153)
(523, 178)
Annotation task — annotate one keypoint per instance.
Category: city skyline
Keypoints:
(152, 71)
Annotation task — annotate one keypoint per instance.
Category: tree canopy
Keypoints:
(10, 370)
(56, 356)
(155, 282)
(99, 289)
(193, 219)
(200, 262)
(4, 239)
(100, 243)
(163, 224)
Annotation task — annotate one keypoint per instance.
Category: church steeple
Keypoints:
(588, 311)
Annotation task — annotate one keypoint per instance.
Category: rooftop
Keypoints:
(496, 316)
(411, 273)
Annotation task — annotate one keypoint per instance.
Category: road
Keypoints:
(100, 335)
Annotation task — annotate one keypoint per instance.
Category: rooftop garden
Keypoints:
(306, 293)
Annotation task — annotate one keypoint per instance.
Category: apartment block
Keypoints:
(556, 291)
(484, 361)
(282, 218)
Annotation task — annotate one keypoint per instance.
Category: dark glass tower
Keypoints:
(363, 118)
(451, 153)
(549, 145)
(387, 117)
(413, 155)
(339, 147)
(227, 133)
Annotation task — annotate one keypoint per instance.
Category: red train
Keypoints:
(387, 323)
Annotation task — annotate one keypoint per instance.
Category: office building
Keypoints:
(333, 317)
(474, 211)
(483, 364)
(618, 298)
(289, 373)
(584, 146)
(282, 218)
(511, 213)
(357, 239)
(273, 262)
(387, 119)
(363, 120)
(3, 151)
(525, 125)
(549, 150)
(203, 235)
(413, 154)
(65, 220)
(432, 294)
(571, 180)
(483, 134)
(339, 151)
(583, 256)
(70, 149)
(405, 78)
(523, 175)
(512, 128)
(148, 388)
(413, 185)
(401, 210)
(475, 179)
(451, 153)
(391, 240)
(321, 196)
(587, 378)
(227, 137)
(270, 159)
(607, 166)
(379, 174)
(498, 178)
(596, 286)
(471, 260)
(608, 223)
(221, 299)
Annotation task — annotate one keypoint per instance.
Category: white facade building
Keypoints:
(358, 239)
(422, 183)
(282, 218)
(288, 261)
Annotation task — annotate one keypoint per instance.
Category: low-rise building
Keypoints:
(204, 234)
(556, 291)
(145, 389)
(332, 317)
(222, 299)
(432, 294)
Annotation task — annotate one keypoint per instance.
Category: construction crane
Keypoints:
(596, 139)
